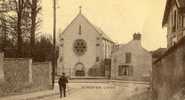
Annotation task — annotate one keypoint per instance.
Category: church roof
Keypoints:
(98, 30)
(180, 4)
(105, 36)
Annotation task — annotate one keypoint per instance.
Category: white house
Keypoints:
(131, 61)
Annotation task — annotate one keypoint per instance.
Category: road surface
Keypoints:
(100, 91)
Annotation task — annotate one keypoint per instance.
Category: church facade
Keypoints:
(83, 47)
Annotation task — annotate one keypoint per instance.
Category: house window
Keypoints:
(174, 21)
(181, 21)
(128, 57)
(115, 60)
(97, 44)
(61, 59)
(97, 59)
(123, 70)
(80, 30)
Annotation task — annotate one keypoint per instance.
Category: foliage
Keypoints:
(21, 24)
(43, 50)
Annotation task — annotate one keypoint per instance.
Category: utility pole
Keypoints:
(54, 43)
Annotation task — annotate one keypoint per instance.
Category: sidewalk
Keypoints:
(42, 94)
(34, 95)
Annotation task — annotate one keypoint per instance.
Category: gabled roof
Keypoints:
(179, 3)
(97, 29)
(105, 36)
(159, 52)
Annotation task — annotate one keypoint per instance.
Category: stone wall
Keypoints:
(42, 74)
(169, 72)
(17, 72)
(21, 75)
(1, 67)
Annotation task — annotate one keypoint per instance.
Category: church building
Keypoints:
(83, 48)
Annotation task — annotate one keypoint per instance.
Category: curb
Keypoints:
(40, 97)
(43, 96)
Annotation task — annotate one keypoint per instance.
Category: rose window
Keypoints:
(80, 47)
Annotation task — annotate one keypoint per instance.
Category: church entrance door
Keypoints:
(79, 69)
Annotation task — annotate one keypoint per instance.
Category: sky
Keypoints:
(119, 19)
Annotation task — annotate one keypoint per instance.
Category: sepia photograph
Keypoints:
(92, 49)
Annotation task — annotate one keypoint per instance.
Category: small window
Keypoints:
(97, 59)
(123, 70)
(80, 30)
(97, 44)
(181, 21)
(61, 40)
(175, 21)
(115, 60)
(61, 59)
(128, 57)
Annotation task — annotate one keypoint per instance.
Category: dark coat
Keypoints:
(62, 81)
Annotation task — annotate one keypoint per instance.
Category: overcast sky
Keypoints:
(119, 19)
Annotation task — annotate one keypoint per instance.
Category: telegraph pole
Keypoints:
(54, 44)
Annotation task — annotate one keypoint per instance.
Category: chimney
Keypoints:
(137, 36)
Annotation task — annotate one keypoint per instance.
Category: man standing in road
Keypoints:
(62, 84)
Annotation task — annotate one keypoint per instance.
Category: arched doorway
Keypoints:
(79, 69)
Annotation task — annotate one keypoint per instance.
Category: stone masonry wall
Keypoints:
(21, 75)
(42, 74)
(17, 72)
(168, 76)
(1, 67)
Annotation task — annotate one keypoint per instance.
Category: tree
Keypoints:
(19, 10)
(21, 26)
(35, 9)
(25, 24)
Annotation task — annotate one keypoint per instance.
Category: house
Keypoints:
(174, 21)
(83, 48)
(131, 61)
(168, 70)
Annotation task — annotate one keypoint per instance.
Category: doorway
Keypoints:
(79, 69)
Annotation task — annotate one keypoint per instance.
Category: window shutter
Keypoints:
(130, 70)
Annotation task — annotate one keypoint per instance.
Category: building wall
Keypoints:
(1, 67)
(18, 72)
(141, 61)
(168, 73)
(70, 59)
(106, 47)
(42, 72)
(22, 74)
(175, 36)
(92, 38)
